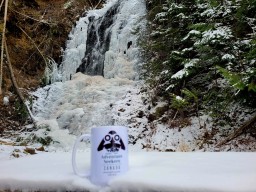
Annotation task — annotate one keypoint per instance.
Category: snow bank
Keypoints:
(149, 171)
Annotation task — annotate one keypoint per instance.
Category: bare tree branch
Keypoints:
(40, 21)
(90, 3)
(2, 2)
(34, 45)
(98, 4)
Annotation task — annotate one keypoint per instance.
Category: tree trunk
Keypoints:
(2, 48)
(17, 90)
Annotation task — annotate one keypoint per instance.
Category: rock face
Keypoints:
(33, 25)
(105, 42)
(98, 40)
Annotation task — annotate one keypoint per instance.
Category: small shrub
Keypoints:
(22, 111)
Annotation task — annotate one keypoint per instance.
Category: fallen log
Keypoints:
(246, 126)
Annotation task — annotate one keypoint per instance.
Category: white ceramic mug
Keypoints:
(109, 153)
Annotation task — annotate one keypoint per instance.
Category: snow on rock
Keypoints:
(6, 100)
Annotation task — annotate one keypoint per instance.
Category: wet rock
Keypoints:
(140, 114)
(151, 117)
(122, 110)
(40, 148)
(31, 151)
(98, 42)
(16, 155)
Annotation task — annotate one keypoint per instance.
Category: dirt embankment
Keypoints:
(35, 30)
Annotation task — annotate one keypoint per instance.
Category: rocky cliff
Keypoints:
(36, 31)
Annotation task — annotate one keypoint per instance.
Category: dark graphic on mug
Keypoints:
(112, 142)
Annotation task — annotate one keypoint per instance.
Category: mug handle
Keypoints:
(79, 139)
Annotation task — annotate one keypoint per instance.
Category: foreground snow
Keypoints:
(149, 171)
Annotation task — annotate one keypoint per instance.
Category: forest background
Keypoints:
(199, 57)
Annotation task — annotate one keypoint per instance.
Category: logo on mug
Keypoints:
(112, 142)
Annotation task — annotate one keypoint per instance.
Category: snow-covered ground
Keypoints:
(148, 171)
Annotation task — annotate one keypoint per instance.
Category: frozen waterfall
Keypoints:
(104, 42)
(100, 67)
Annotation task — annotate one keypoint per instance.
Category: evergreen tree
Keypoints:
(207, 46)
